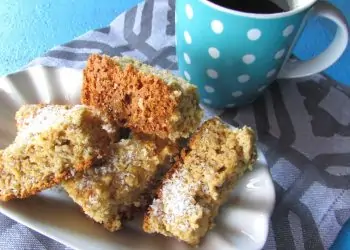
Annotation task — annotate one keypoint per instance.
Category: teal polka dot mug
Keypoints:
(233, 56)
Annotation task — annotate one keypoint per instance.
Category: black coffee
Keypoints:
(250, 6)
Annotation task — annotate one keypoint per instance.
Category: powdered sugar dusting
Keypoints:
(177, 203)
(131, 157)
(93, 199)
(82, 184)
(88, 179)
(72, 172)
(133, 153)
(156, 207)
(109, 128)
(105, 169)
(44, 119)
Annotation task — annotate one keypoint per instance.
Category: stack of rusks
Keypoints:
(134, 144)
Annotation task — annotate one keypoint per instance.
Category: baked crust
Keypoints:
(199, 182)
(54, 142)
(112, 192)
(137, 96)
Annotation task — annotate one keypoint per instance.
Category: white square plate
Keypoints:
(242, 223)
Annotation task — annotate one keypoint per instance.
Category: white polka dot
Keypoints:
(262, 88)
(231, 105)
(243, 78)
(237, 94)
(279, 54)
(189, 11)
(175, 41)
(207, 101)
(217, 26)
(214, 53)
(187, 75)
(187, 58)
(271, 73)
(212, 73)
(209, 89)
(188, 37)
(289, 30)
(248, 59)
(254, 34)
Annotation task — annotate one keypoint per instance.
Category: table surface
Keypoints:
(29, 28)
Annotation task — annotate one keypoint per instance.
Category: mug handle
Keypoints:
(330, 55)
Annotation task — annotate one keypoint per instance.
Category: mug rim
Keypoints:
(259, 15)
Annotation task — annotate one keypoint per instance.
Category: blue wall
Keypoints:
(28, 28)
(318, 34)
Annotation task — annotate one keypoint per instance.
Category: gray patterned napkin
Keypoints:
(303, 128)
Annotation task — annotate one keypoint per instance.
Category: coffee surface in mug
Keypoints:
(250, 6)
